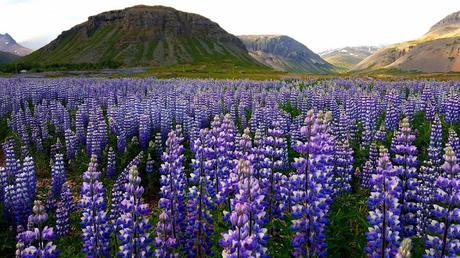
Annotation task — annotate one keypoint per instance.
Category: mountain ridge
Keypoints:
(438, 50)
(144, 35)
(347, 57)
(8, 44)
(284, 53)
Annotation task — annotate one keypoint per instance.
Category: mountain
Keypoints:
(347, 57)
(436, 51)
(144, 36)
(6, 57)
(284, 54)
(8, 44)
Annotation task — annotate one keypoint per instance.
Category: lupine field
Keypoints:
(211, 168)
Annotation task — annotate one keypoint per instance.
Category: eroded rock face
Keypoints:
(9, 45)
(158, 21)
(284, 53)
(151, 35)
(436, 51)
(450, 20)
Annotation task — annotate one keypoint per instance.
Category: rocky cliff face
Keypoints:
(9, 45)
(284, 53)
(144, 35)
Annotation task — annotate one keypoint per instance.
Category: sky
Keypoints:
(319, 24)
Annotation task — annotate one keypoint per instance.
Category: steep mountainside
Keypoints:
(6, 57)
(347, 57)
(436, 51)
(144, 35)
(8, 44)
(284, 54)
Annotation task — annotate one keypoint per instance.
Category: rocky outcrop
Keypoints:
(436, 51)
(143, 35)
(284, 53)
(9, 45)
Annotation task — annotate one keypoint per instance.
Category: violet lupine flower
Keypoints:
(28, 168)
(57, 175)
(19, 200)
(384, 209)
(118, 191)
(37, 242)
(149, 165)
(343, 163)
(111, 163)
(272, 180)
(199, 226)
(96, 232)
(158, 145)
(380, 135)
(144, 130)
(64, 207)
(70, 144)
(225, 155)
(121, 142)
(391, 117)
(133, 223)
(454, 142)
(172, 201)
(406, 159)
(430, 171)
(311, 186)
(247, 237)
(443, 239)
(369, 167)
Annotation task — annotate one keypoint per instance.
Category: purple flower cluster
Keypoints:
(38, 241)
(95, 229)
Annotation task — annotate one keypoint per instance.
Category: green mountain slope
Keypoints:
(6, 57)
(144, 36)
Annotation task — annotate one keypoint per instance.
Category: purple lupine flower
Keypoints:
(199, 226)
(121, 142)
(28, 168)
(144, 130)
(118, 191)
(94, 217)
(133, 222)
(37, 242)
(384, 209)
(272, 180)
(391, 117)
(247, 237)
(406, 159)
(172, 201)
(343, 163)
(429, 172)
(380, 135)
(454, 142)
(149, 165)
(225, 155)
(111, 164)
(443, 239)
(311, 186)
(64, 207)
(57, 175)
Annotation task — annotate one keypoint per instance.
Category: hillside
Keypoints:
(347, 57)
(436, 51)
(9, 45)
(144, 36)
(284, 54)
(6, 57)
